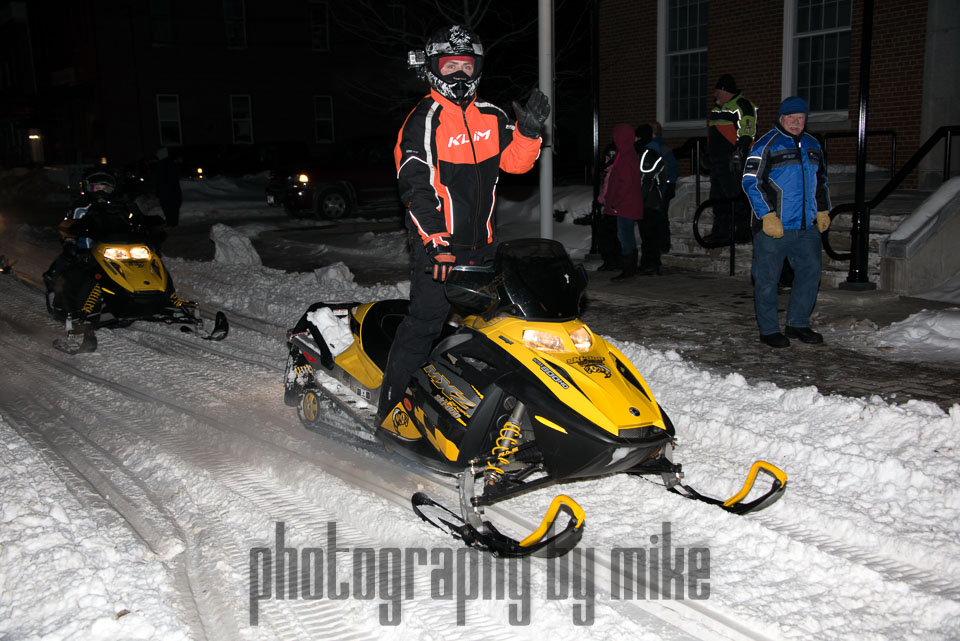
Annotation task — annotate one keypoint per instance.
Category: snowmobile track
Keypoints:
(918, 578)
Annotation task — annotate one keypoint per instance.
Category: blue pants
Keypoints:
(628, 242)
(802, 248)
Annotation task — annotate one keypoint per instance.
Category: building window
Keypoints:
(323, 117)
(161, 22)
(398, 16)
(319, 26)
(241, 115)
(168, 115)
(234, 17)
(816, 54)
(684, 68)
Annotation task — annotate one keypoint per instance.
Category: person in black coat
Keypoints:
(168, 188)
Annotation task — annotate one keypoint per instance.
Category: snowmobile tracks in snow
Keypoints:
(253, 460)
(918, 578)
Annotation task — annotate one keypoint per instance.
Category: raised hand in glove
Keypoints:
(530, 118)
(823, 221)
(443, 262)
(772, 226)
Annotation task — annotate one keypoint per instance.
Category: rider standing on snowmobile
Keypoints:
(449, 154)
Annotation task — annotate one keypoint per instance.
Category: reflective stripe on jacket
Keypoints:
(734, 119)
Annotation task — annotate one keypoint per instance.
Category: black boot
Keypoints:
(629, 267)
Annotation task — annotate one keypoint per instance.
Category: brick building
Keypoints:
(120, 78)
(670, 53)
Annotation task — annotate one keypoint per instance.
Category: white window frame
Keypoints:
(235, 121)
(663, 97)
(788, 82)
(235, 26)
(315, 29)
(316, 119)
(164, 116)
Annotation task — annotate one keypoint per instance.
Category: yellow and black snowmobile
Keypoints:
(110, 274)
(519, 395)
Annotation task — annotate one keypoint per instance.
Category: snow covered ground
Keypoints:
(150, 490)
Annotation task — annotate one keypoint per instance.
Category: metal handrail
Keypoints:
(946, 132)
(732, 242)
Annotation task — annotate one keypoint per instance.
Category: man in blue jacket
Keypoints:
(785, 178)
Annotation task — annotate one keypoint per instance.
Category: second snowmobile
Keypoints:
(110, 272)
(521, 394)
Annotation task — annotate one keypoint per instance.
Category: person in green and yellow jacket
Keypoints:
(730, 132)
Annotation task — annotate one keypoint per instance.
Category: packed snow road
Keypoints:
(160, 489)
(187, 445)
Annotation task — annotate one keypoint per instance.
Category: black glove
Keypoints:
(443, 262)
(743, 146)
(530, 119)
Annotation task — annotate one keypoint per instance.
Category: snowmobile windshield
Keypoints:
(117, 222)
(539, 281)
(530, 278)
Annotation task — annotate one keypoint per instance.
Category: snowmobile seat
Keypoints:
(378, 328)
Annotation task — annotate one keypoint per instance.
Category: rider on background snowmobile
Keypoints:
(447, 180)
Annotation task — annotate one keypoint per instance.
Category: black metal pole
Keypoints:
(595, 213)
(860, 229)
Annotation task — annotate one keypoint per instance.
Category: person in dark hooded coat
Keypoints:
(622, 196)
(168, 188)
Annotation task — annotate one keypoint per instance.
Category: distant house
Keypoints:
(120, 78)
(662, 58)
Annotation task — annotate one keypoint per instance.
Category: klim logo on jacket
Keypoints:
(463, 139)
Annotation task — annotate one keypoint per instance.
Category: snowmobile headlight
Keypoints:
(116, 253)
(140, 253)
(582, 340)
(303, 178)
(543, 341)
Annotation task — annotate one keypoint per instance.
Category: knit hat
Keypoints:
(644, 134)
(793, 105)
(727, 83)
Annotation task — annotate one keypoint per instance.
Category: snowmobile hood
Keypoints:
(580, 369)
(135, 268)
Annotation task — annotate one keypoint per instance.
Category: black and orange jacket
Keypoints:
(448, 159)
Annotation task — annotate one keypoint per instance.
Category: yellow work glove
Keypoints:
(823, 221)
(772, 226)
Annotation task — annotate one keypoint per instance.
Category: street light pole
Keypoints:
(545, 11)
(860, 229)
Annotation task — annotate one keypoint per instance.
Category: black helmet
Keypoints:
(99, 182)
(453, 41)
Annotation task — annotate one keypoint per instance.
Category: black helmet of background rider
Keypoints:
(99, 184)
(454, 41)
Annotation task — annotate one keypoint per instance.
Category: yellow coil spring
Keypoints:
(505, 446)
(92, 299)
(303, 370)
(176, 300)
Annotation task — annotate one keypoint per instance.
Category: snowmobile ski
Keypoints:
(80, 339)
(221, 327)
(484, 536)
(735, 503)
